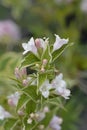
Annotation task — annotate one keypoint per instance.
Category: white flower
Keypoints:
(44, 89)
(4, 114)
(30, 46)
(59, 42)
(60, 86)
(83, 6)
(63, 92)
(55, 123)
(13, 99)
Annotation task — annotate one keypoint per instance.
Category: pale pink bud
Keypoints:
(17, 73)
(20, 113)
(38, 43)
(23, 71)
(25, 82)
(45, 61)
(42, 69)
(10, 102)
(46, 109)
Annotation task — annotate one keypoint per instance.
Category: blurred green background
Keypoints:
(21, 19)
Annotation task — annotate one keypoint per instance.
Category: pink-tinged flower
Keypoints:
(55, 123)
(9, 31)
(4, 114)
(60, 86)
(13, 99)
(59, 42)
(44, 89)
(30, 46)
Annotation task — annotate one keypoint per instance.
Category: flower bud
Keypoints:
(29, 121)
(17, 74)
(41, 127)
(32, 115)
(42, 69)
(25, 82)
(45, 61)
(37, 65)
(38, 43)
(23, 71)
(10, 102)
(20, 113)
(46, 109)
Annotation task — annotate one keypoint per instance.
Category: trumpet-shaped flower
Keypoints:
(4, 114)
(60, 86)
(44, 89)
(59, 42)
(55, 123)
(30, 46)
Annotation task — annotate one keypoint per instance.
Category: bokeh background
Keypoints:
(21, 19)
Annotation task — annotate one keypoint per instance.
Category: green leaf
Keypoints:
(22, 101)
(31, 92)
(30, 107)
(41, 78)
(10, 124)
(56, 101)
(30, 60)
(46, 54)
(58, 52)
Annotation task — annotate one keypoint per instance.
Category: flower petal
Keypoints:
(59, 42)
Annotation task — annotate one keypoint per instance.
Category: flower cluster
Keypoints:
(41, 89)
(59, 86)
(34, 45)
